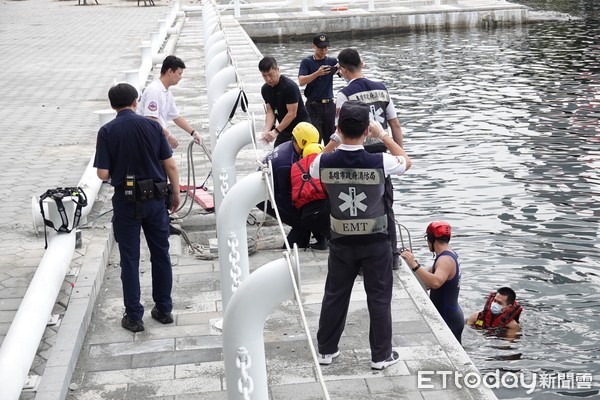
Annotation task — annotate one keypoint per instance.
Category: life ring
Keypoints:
(339, 9)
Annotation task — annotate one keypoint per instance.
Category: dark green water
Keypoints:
(503, 127)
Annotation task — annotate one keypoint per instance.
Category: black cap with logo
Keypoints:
(321, 40)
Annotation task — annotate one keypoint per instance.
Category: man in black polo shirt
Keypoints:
(134, 153)
(283, 103)
(316, 72)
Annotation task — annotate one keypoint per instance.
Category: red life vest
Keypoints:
(305, 189)
(485, 319)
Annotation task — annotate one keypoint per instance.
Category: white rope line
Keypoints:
(296, 291)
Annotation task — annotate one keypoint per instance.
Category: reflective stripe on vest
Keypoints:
(356, 195)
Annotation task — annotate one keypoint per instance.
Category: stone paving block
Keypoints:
(199, 342)
(177, 357)
(105, 363)
(130, 376)
(130, 348)
(103, 392)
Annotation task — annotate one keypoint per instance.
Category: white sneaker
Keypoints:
(393, 359)
(326, 359)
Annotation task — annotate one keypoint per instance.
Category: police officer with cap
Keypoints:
(317, 72)
(133, 152)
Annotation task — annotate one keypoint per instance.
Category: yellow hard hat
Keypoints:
(312, 148)
(305, 133)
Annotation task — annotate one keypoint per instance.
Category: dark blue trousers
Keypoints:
(343, 265)
(155, 223)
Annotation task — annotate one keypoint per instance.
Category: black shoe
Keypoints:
(320, 245)
(131, 325)
(163, 318)
(396, 262)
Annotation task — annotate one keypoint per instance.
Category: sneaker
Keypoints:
(131, 325)
(163, 318)
(326, 359)
(393, 359)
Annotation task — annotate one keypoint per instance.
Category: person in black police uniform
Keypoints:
(283, 103)
(355, 183)
(317, 72)
(134, 153)
(382, 110)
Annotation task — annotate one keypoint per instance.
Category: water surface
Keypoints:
(503, 128)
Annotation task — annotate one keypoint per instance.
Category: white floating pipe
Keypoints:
(243, 328)
(209, 41)
(232, 236)
(219, 83)
(224, 157)
(27, 328)
(216, 64)
(219, 114)
(146, 64)
(133, 78)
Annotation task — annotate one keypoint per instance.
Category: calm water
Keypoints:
(503, 127)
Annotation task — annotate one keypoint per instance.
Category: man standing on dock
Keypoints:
(317, 72)
(158, 104)
(355, 183)
(283, 103)
(382, 110)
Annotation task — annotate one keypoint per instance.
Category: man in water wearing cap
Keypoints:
(355, 183)
(317, 72)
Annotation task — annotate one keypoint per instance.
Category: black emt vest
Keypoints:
(355, 184)
(376, 96)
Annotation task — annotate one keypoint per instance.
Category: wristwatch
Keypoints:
(416, 267)
(336, 138)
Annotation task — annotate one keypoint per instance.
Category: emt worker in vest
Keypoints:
(443, 278)
(501, 312)
(134, 153)
(355, 183)
(382, 110)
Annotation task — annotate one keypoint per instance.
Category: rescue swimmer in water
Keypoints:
(500, 313)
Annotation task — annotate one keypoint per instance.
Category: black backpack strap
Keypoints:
(57, 195)
(242, 101)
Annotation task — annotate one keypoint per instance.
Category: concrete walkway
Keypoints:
(65, 57)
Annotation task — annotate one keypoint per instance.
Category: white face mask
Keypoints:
(496, 308)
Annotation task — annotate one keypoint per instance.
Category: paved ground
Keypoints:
(60, 60)
(65, 58)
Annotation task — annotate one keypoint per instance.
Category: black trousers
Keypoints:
(322, 116)
(344, 261)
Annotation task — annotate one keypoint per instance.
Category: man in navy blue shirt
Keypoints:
(134, 154)
(316, 72)
(283, 103)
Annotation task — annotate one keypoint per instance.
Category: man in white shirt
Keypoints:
(157, 100)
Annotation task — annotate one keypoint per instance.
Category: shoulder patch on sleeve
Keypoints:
(152, 106)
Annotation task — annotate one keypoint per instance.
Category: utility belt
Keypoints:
(136, 191)
(321, 101)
